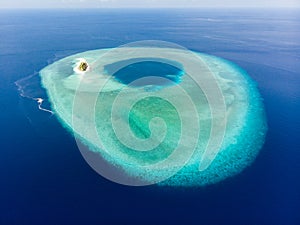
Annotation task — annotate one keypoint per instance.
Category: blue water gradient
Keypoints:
(44, 179)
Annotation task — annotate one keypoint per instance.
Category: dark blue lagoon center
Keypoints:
(131, 71)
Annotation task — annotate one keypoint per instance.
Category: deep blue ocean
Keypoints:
(45, 180)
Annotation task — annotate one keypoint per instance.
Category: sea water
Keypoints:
(44, 178)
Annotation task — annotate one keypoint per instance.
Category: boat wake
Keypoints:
(30, 88)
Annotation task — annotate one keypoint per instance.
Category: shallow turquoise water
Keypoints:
(87, 112)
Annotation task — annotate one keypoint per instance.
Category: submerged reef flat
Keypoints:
(158, 128)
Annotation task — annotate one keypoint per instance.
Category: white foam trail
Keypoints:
(40, 102)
